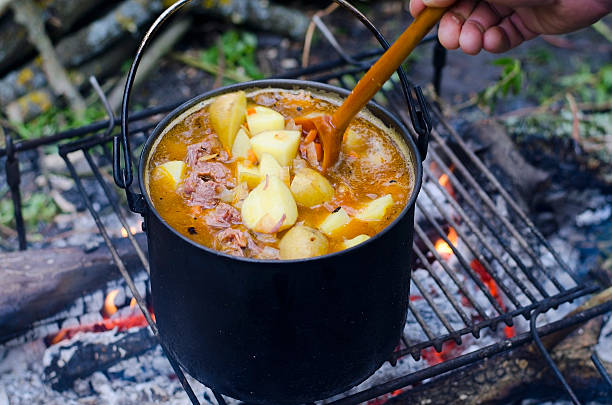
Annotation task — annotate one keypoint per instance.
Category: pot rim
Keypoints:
(374, 108)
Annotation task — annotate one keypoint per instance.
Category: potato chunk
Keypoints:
(283, 145)
(248, 173)
(334, 222)
(349, 243)
(262, 119)
(270, 207)
(301, 242)
(270, 167)
(242, 144)
(227, 113)
(375, 210)
(171, 172)
(311, 188)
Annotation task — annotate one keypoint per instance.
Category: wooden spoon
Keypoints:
(331, 128)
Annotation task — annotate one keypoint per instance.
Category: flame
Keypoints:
(133, 303)
(124, 232)
(444, 180)
(443, 248)
(109, 304)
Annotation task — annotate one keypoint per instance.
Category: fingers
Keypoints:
(483, 17)
(453, 21)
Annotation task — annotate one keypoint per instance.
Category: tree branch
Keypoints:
(28, 15)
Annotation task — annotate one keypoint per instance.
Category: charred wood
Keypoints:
(39, 284)
(65, 363)
(519, 374)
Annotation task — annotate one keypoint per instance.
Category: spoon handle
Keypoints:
(382, 70)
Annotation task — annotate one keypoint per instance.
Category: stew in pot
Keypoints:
(241, 174)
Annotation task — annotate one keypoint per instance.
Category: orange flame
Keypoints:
(133, 303)
(124, 232)
(443, 248)
(109, 304)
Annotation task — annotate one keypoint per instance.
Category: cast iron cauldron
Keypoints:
(275, 331)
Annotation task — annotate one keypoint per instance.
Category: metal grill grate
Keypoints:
(451, 298)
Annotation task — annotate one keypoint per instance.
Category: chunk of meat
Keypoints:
(232, 241)
(223, 216)
(209, 146)
(206, 194)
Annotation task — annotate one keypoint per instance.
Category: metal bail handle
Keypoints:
(417, 104)
(123, 176)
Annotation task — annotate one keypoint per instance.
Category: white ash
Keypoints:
(604, 346)
(594, 216)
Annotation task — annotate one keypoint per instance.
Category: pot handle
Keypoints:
(123, 175)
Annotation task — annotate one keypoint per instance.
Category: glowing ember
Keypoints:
(124, 232)
(488, 281)
(109, 304)
(443, 248)
(122, 324)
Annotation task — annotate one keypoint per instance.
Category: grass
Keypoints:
(56, 120)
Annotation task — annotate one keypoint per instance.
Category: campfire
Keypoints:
(72, 330)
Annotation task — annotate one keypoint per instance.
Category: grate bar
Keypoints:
(502, 191)
(495, 233)
(449, 271)
(466, 266)
(491, 205)
(425, 294)
(421, 322)
(118, 210)
(470, 358)
(478, 234)
(466, 320)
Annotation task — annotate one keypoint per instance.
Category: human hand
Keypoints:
(499, 25)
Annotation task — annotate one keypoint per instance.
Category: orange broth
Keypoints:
(364, 173)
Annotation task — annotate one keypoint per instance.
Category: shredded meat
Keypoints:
(209, 146)
(205, 194)
(232, 241)
(223, 216)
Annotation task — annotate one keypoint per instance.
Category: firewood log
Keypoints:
(39, 284)
(60, 16)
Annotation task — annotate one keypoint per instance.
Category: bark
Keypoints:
(66, 363)
(31, 77)
(125, 19)
(260, 14)
(60, 15)
(160, 47)
(29, 15)
(39, 284)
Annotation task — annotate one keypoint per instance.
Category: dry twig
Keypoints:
(311, 30)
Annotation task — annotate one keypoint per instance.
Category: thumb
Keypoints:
(438, 3)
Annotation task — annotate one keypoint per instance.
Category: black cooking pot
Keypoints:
(275, 331)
